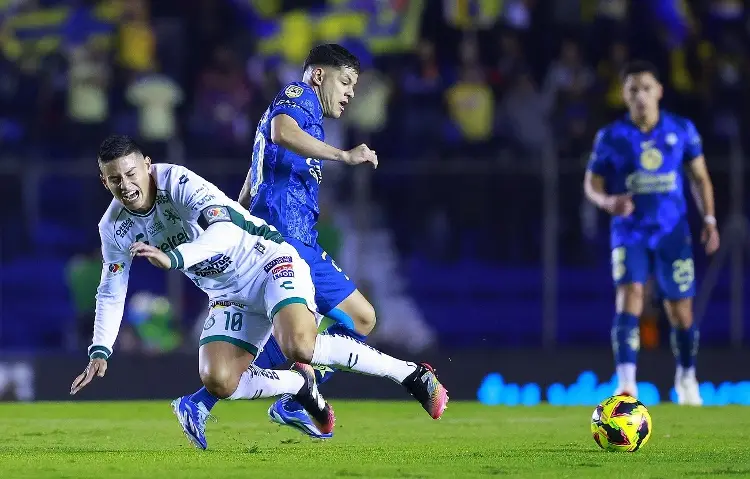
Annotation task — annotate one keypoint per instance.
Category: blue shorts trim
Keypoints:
(332, 285)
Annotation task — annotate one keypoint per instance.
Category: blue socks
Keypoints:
(202, 396)
(626, 339)
(685, 346)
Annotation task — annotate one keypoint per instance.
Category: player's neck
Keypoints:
(647, 121)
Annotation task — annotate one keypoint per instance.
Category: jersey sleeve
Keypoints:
(192, 193)
(693, 142)
(601, 154)
(205, 204)
(293, 101)
(110, 297)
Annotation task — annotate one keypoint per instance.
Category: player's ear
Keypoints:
(317, 76)
(147, 161)
(104, 182)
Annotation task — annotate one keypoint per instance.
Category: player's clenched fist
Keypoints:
(619, 205)
(97, 367)
(361, 154)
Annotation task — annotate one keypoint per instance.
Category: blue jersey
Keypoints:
(649, 165)
(284, 185)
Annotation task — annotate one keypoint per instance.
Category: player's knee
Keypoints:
(630, 298)
(219, 380)
(364, 320)
(299, 346)
(680, 312)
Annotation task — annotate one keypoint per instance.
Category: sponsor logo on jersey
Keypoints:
(203, 201)
(293, 91)
(116, 268)
(287, 273)
(161, 199)
(259, 248)
(225, 303)
(156, 227)
(210, 321)
(276, 261)
(183, 179)
(171, 242)
(213, 266)
(124, 227)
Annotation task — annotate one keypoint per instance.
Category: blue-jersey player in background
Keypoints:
(282, 188)
(636, 174)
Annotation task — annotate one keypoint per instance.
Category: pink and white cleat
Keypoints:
(423, 384)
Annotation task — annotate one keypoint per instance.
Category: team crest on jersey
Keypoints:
(116, 268)
(293, 91)
(671, 139)
(651, 159)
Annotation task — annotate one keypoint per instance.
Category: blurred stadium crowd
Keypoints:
(460, 98)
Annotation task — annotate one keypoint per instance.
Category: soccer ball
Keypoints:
(621, 423)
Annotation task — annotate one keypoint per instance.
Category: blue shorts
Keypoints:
(332, 286)
(670, 261)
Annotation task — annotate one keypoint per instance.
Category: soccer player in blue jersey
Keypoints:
(282, 188)
(636, 174)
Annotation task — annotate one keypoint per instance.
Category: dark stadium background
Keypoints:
(472, 239)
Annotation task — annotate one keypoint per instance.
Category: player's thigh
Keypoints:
(332, 285)
(231, 338)
(289, 299)
(630, 270)
(674, 268)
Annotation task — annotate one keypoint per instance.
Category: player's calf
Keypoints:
(684, 340)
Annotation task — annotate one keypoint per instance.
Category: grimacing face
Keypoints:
(336, 86)
(128, 178)
(642, 93)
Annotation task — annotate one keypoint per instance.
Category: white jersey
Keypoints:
(225, 261)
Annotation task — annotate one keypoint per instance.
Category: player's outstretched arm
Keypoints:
(703, 192)
(617, 205)
(110, 304)
(286, 133)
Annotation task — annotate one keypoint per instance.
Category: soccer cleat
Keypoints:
(318, 410)
(193, 419)
(423, 384)
(624, 389)
(688, 391)
(287, 412)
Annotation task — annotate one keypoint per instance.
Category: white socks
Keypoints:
(256, 383)
(684, 373)
(626, 373)
(344, 352)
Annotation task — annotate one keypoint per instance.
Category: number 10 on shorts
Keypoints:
(233, 321)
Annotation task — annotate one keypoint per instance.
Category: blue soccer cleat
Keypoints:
(193, 419)
(287, 412)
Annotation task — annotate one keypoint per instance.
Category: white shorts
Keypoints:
(245, 318)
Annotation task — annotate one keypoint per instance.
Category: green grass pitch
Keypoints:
(373, 439)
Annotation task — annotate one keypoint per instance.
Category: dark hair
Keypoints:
(117, 146)
(332, 55)
(639, 66)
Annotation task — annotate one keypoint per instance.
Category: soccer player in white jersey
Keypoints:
(255, 283)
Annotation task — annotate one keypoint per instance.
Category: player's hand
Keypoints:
(154, 255)
(97, 367)
(361, 154)
(619, 205)
(710, 238)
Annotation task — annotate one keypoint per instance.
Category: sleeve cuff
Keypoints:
(99, 352)
(175, 259)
